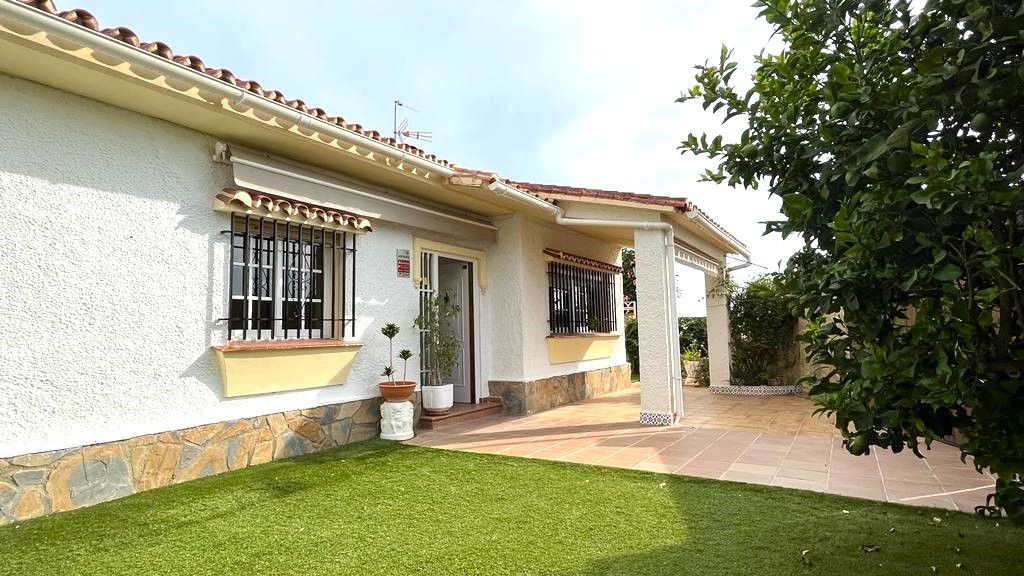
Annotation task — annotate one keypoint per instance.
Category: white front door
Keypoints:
(453, 282)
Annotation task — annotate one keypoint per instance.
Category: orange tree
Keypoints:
(894, 138)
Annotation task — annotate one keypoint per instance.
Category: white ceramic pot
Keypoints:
(437, 399)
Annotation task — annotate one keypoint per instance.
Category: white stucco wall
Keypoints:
(520, 346)
(113, 272)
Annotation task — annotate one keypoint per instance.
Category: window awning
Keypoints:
(235, 199)
(583, 260)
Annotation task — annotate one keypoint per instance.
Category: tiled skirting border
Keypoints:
(655, 419)
(34, 485)
(761, 391)
(537, 395)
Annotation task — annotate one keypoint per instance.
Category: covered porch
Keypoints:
(665, 233)
(768, 441)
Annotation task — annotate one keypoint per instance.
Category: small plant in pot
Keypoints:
(691, 363)
(440, 352)
(394, 390)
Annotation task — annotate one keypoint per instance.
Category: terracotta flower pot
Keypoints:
(398, 391)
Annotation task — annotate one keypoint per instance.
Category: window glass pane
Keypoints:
(292, 315)
(261, 282)
(266, 313)
(236, 314)
(236, 280)
(314, 315)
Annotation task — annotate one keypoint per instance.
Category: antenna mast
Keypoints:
(401, 130)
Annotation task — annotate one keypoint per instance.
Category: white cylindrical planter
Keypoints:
(396, 420)
(437, 399)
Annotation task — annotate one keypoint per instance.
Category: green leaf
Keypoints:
(871, 149)
(871, 368)
(948, 273)
(796, 205)
(923, 196)
(900, 137)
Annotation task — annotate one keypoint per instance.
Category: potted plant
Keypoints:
(394, 390)
(691, 363)
(440, 352)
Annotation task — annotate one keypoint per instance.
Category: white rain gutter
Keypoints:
(53, 24)
(708, 226)
(502, 189)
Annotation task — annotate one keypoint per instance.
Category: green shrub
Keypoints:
(762, 331)
(632, 344)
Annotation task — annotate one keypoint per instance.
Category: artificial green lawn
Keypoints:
(384, 508)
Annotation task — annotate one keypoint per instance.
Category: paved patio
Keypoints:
(773, 441)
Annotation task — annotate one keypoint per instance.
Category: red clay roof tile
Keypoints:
(85, 19)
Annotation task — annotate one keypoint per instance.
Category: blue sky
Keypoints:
(567, 92)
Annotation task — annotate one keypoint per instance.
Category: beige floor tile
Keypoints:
(759, 440)
(747, 477)
(800, 483)
(753, 469)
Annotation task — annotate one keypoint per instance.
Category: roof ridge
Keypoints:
(681, 204)
(85, 19)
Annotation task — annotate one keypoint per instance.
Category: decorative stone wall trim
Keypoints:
(538, 395)
(34, 485)
(762, 391)
(655, 419)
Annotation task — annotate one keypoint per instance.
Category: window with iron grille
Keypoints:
(290, 280)
(581, 300)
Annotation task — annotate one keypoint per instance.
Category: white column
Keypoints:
(661, 401)
(719, 357)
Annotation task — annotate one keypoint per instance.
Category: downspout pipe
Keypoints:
(98, 42)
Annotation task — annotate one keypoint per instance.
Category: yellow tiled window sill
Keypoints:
(265, 366)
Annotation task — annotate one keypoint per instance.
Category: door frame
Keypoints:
(474, 313)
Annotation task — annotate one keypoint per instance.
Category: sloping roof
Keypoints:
(85, 19)
(548, 193)
(544, 192)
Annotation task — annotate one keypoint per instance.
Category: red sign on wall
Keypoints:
(403, 263)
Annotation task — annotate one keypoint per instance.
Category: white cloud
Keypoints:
(571, 92)
(632, 63)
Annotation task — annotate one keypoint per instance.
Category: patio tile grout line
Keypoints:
(941, 485)
(881, 476)
(737, 460)
(687, 463)
(788, 452)
(684, 436)
(831, 454)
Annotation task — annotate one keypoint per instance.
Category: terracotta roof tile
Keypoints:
(682, 205)
(542, 190)
(85, 19)
(577, 259)
(272, 204)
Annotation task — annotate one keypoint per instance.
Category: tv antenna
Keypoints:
(401, 129)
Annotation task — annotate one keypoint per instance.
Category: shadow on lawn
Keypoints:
(735, 528)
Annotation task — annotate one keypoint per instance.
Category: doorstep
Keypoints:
(461, 413)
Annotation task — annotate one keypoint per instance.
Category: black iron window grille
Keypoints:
(581, 300)
(290, 280)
